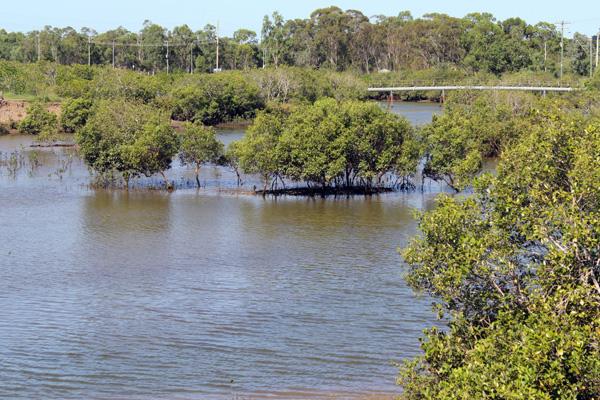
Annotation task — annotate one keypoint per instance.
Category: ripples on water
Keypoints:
(194, 295)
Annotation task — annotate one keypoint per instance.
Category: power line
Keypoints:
(164, 44)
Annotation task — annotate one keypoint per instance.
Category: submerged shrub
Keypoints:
(127, 138)
(199, 145)
(331, 144)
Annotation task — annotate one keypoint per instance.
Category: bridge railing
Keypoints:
(479, 82)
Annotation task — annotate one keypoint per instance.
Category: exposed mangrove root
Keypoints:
(315, 191)
(52, 145)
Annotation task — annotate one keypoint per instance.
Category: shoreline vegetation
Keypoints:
(326, 147)
(132, 110)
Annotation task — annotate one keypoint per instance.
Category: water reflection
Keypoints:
(417, 113)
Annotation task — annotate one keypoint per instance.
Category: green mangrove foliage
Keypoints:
(205, 98)
(199, 146)
(127, 138)
(39, 121)
(211, 99)
(11, 77)
(75, 113)
(232, 159)
(472, 128)
(517, 268)
(330, 145)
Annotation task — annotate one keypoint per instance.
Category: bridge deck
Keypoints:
(472, 87)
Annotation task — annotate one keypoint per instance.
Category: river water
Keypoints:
(200, 293)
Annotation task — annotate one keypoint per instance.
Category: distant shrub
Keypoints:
(38, 120)
(75, 80)
(75, 113)
(213, 99)
(114, 83)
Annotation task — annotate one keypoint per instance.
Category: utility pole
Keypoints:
(192, 58)
(262, 45)
(89, 51)
(167, 56)
(562, 46)
(597, 49)
(217, 69)
(591, 57)
(39, 52)
(113, 54)
(545, 56)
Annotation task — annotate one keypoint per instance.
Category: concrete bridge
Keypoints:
(443, 88)
(471, 87)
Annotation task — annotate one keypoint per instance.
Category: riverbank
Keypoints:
(14, 111)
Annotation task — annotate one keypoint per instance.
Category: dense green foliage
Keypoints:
(127, 138)
(216, 98)
(38, 120)
(330, 144)
(199, 145)
(473, 127)
(329, 38)
(516, 266)
(207, 98)
(75, 113)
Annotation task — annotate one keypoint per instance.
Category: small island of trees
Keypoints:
(325, 147)
(331, 147)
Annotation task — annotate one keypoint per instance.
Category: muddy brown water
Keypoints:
(199, 293)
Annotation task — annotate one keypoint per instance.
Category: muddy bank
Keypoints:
(13, 111)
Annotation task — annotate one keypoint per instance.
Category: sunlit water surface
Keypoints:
(200, 293)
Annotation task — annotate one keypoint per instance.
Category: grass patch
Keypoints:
(30, 97)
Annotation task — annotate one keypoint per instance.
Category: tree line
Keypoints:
(329, 38)
(207, 98)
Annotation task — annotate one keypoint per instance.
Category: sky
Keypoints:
(27, 15)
